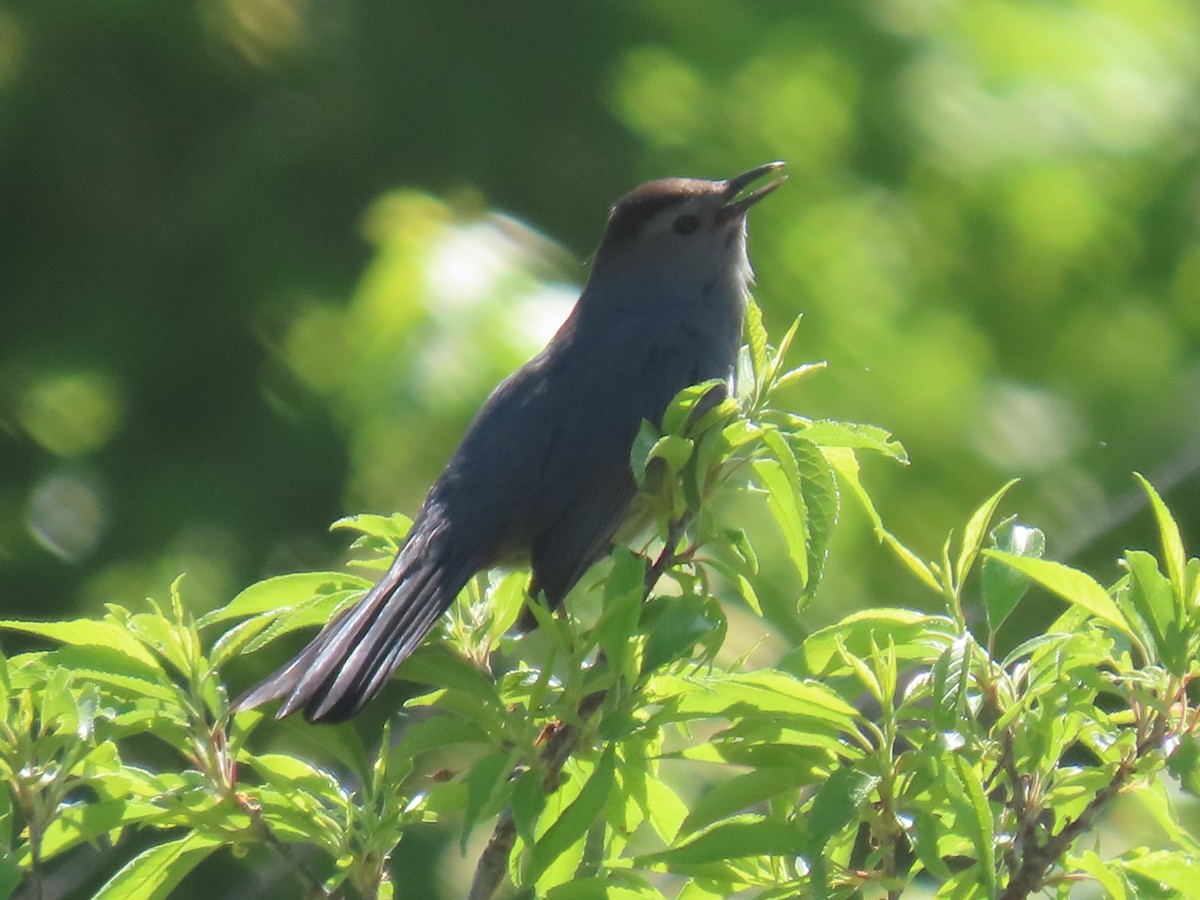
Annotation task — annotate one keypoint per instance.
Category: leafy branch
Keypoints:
(624, 746)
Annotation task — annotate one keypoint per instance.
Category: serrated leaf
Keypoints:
(977, 820)
(89, 633)
(836, 804)
(577, 818)
(791, 376)
(618, 622)
(1173, 869)
(764, 693)
(822, 503)
(674, 627)
(1108, 877)
(735, 794)
(1004, 586)
(1154, 603)
(1172, 543)
(915, 636)
(827, 433)
(786, 506)
(393, 529)
(436, 664)
(911, 561)
(282, 592)
(756, 338)
(614, 885)
(1072, 585)
(973, 534)
(155, 872)
(951, 678)
(733, 840)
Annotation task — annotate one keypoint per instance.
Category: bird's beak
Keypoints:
(735, 205)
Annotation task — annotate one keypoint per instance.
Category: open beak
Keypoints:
(736, 203)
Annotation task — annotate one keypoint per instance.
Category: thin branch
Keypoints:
(1037, 860)
(311, 881)
(493, 862)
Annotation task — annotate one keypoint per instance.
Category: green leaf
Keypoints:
(973, 534)
(673, 626)
(735, 794)
(785, 344)
(1172, 543)
(528, 801)
(827, 434)
(614, 885)
(764, 693)
(911, 561)
(836, 804)
(674, 450)
(1155, 797)
(282, 592)
(155, 872)
(639, 454)
(916, 637)
(393, 529)
(951, 678)
(1184, 763)
(756, 337)
(791, 376)
(506, 600)
(1174, 870)
(438, 665)
(692, 405)
(76, 823)
(781, 479)
(1004, 586)
(486, 776)
(752, 837)
(975, 817)
(576, 819)
(90, 633)
(1108, 877)
(818, 488)
(1071, 585)
(1154, 603)
(618, 623)
(834, 808)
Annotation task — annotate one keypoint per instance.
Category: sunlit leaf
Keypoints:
(826, 433)
(1070, 584)
(89, 633)
(576, 819)
(725, 798)
(281, 592)
(1004, 586)
(1168, 532)
(973, 534)
(749, 837)
(156, 871)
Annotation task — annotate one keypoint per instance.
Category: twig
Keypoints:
(306, 876)
(1037, 860)
(493, 862)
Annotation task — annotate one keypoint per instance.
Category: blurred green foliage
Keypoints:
(261, 259)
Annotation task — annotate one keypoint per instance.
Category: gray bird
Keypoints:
(543, 471)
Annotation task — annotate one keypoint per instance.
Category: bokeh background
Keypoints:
(260, 260)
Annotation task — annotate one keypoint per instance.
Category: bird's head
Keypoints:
(681, 236)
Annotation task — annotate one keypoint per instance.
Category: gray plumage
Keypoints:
(543, 471)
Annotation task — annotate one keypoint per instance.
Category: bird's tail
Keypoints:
(351, 658)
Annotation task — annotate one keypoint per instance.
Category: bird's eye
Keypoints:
(687, 223)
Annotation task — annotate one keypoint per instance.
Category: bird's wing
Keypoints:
(587, 482)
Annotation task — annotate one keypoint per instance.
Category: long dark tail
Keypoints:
(352, 657)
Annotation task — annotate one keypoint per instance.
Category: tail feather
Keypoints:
(353, 656)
